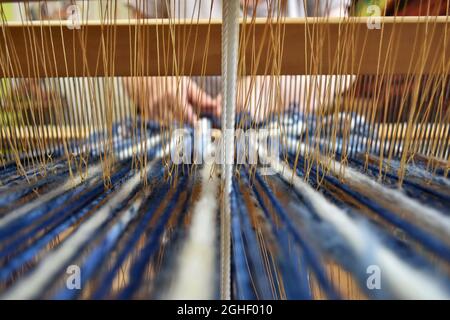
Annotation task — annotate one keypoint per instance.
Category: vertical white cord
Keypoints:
(230, 43)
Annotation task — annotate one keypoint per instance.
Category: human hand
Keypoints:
(170, 98)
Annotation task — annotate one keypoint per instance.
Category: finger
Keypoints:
(219, 105)
(198, 97)
(189, 114)
(214, 109)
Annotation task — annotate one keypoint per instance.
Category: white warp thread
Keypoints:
(69, 184)
(32, 285)
(409, 206)
(195, 272)
(405, 281)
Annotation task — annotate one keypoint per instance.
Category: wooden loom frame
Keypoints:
(403, 45)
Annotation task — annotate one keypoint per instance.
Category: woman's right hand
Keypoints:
(170, 98)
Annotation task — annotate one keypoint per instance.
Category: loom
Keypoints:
(353, 204)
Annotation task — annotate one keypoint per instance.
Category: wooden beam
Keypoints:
(22, 1)
(403, 45)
